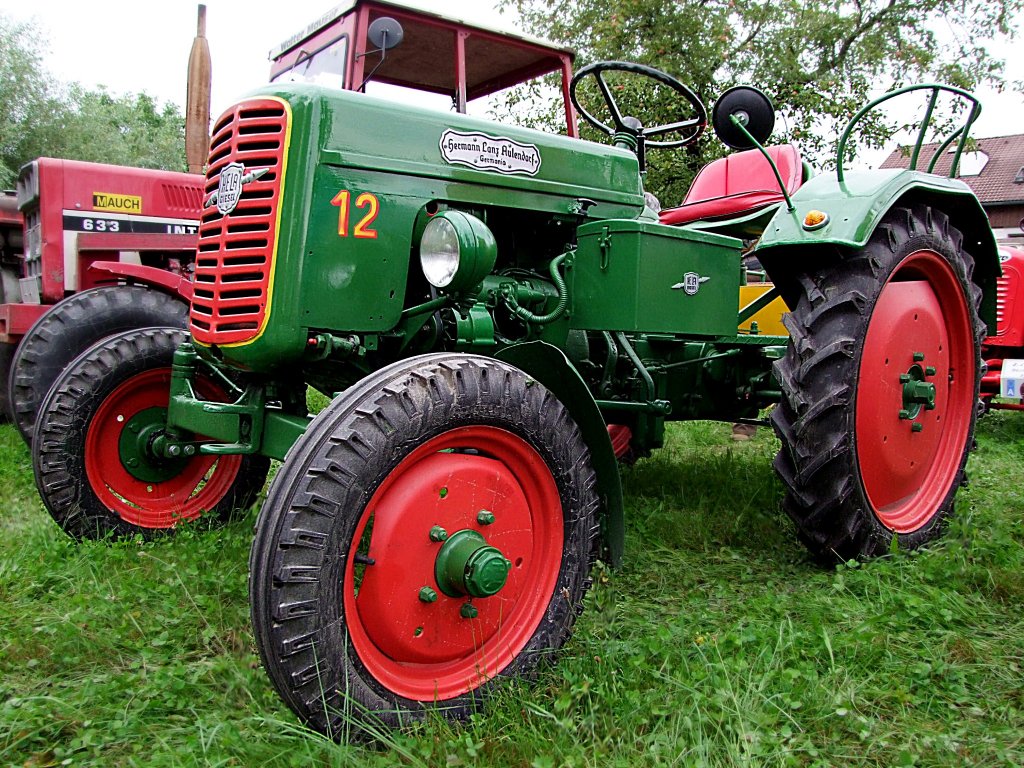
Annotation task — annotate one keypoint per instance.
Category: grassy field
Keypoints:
(717, 644)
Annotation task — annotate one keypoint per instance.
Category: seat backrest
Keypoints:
(747, 171)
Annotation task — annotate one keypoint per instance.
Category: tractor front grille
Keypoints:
(235, 258)
(1005, 290)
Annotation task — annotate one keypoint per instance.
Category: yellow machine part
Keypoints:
(769, 319)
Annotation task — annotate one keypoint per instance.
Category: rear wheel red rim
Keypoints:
(908, 454)
(429, 650)
(199, 485)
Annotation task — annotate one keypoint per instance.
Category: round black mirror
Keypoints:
(754, 111)
(384, 33)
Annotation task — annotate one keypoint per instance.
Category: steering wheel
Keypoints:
(691, 128)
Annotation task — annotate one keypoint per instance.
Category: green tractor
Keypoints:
(498, 318)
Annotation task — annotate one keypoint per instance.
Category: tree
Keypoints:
(124, 130)
(32, 105)
(818, 62)
(42, 117)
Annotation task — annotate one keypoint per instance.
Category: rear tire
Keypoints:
(72, 326)
(92, 470)
(880, 384)
(344, 544)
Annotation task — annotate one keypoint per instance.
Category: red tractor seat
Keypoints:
(738, 184)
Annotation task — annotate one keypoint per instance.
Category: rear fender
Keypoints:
(855, 208)
(548, 365)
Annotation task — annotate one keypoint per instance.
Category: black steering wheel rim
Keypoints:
(695, 125)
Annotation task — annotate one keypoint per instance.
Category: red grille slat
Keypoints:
(232, 279)
(1003, 290)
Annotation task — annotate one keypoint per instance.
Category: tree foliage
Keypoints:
(44, 117)
(131, 129)
(31, 104)
(818, 61)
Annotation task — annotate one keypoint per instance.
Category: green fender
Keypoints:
(856, 206)
(549, 365)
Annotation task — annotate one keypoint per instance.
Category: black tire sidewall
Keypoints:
(61, 431)
(816, 421)
(557, 440)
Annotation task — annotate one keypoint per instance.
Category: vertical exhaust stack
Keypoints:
(197, 108)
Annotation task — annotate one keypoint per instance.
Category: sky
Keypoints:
(143, 45)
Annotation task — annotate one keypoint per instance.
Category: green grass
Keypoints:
(717, 644)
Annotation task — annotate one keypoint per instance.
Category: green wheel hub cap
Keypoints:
(918, 392)
(135, 447)
(468, 565)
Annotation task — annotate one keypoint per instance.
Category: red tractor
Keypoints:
(1004, 350)
(88, 250)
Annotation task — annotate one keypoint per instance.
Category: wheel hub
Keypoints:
(460, 560)
(126, 468)
(918, 392)
(467, 565)
(136, 447)
(914, 392)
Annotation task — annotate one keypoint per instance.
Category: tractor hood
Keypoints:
(500, 161)
(318, 198)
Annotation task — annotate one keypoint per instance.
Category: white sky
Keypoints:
(143, 45)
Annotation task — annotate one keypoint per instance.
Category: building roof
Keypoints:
(995, 184)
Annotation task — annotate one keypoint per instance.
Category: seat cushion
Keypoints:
(738, 184)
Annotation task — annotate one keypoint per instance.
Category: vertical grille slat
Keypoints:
(1004, 290)
(236, 250)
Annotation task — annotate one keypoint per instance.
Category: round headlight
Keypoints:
(439, 252)
(457, 251)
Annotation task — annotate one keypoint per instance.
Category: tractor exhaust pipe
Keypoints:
(197, 107)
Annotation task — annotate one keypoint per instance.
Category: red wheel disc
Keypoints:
(201, 483)
(428, 651)
(921, 311)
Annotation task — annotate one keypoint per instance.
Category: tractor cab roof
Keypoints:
(436, 54)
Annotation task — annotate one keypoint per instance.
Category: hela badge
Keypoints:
(229, 189)
(691, 283)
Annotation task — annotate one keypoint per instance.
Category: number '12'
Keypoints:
(365, 200)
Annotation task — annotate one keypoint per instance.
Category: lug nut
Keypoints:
(468, 611)
(438, 534)
(427, 595)
(484, 517)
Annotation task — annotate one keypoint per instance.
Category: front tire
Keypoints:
(88, 451)
(353, 616)
(880, 384)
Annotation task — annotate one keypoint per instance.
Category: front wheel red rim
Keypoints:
(427, 646)
(910, 442)
(199, 485)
